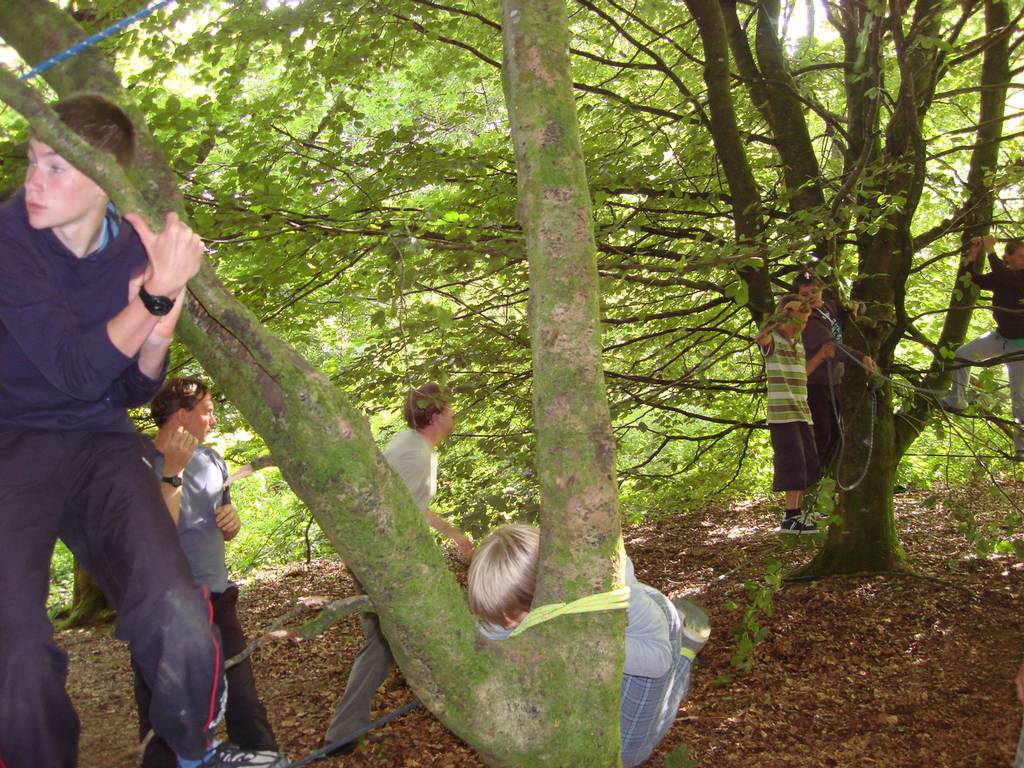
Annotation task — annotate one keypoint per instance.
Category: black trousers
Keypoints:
(246, 717)
(794, 457)
(826, 427)
(97, 492)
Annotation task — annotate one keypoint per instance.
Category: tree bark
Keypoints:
(581, 542)
(725, 133)
(789, 123)
(88, 603)
(865, 538)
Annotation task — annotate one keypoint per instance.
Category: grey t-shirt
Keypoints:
(414, 459)
(202, 491)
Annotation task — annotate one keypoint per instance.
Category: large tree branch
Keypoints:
(731, 151)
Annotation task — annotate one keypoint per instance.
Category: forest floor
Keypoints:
(887, 670)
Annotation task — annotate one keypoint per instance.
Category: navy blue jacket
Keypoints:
(58, 367)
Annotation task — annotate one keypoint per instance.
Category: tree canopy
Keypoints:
(351, 170)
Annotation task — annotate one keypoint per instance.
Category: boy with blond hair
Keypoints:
(795, 456)
(656, 673)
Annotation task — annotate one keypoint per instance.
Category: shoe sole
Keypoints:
(696, 627)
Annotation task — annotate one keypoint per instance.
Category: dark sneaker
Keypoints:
(799, 525)
(225, 756)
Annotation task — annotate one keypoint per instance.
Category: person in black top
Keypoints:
(823, 326)
(88, 306)
(1006, 281)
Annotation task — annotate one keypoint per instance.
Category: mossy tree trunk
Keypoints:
(581, 542)
(864, 538)
(88, 603)
(550, 696)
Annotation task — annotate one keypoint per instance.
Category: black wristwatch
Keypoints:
(157, 305)
(173, 480)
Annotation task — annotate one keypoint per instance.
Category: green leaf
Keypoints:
(680, 758)
(741, 293)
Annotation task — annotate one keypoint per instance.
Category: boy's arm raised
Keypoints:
(764, 336)
(174, 258)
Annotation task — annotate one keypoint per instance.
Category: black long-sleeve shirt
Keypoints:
(1007, 286)
(826, 324)
(59, 369)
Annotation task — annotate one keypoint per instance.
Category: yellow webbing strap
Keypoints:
(604, 601)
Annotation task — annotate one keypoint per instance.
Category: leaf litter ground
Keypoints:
(887, 670)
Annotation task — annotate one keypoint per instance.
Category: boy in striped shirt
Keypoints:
(789, 417)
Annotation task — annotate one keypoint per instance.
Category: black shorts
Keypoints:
(795, 457)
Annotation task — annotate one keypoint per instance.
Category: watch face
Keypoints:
(156, 305)
(174, 481)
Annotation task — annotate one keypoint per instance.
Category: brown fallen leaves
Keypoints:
(893, 671)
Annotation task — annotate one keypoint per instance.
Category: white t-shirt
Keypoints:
(414, 459)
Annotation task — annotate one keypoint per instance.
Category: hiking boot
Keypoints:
(696, 627)
(224, 756)
(800, 525)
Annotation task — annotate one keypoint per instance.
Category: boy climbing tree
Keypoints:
(1006, 281)
(88, 305)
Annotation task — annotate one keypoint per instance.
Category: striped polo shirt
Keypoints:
(786, 367)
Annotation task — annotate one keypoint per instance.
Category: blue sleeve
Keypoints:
(134, 388)
(80, 361)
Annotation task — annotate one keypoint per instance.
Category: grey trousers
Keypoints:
(370, 668)
(985, 348)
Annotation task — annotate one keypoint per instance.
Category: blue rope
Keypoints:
(90, 41)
